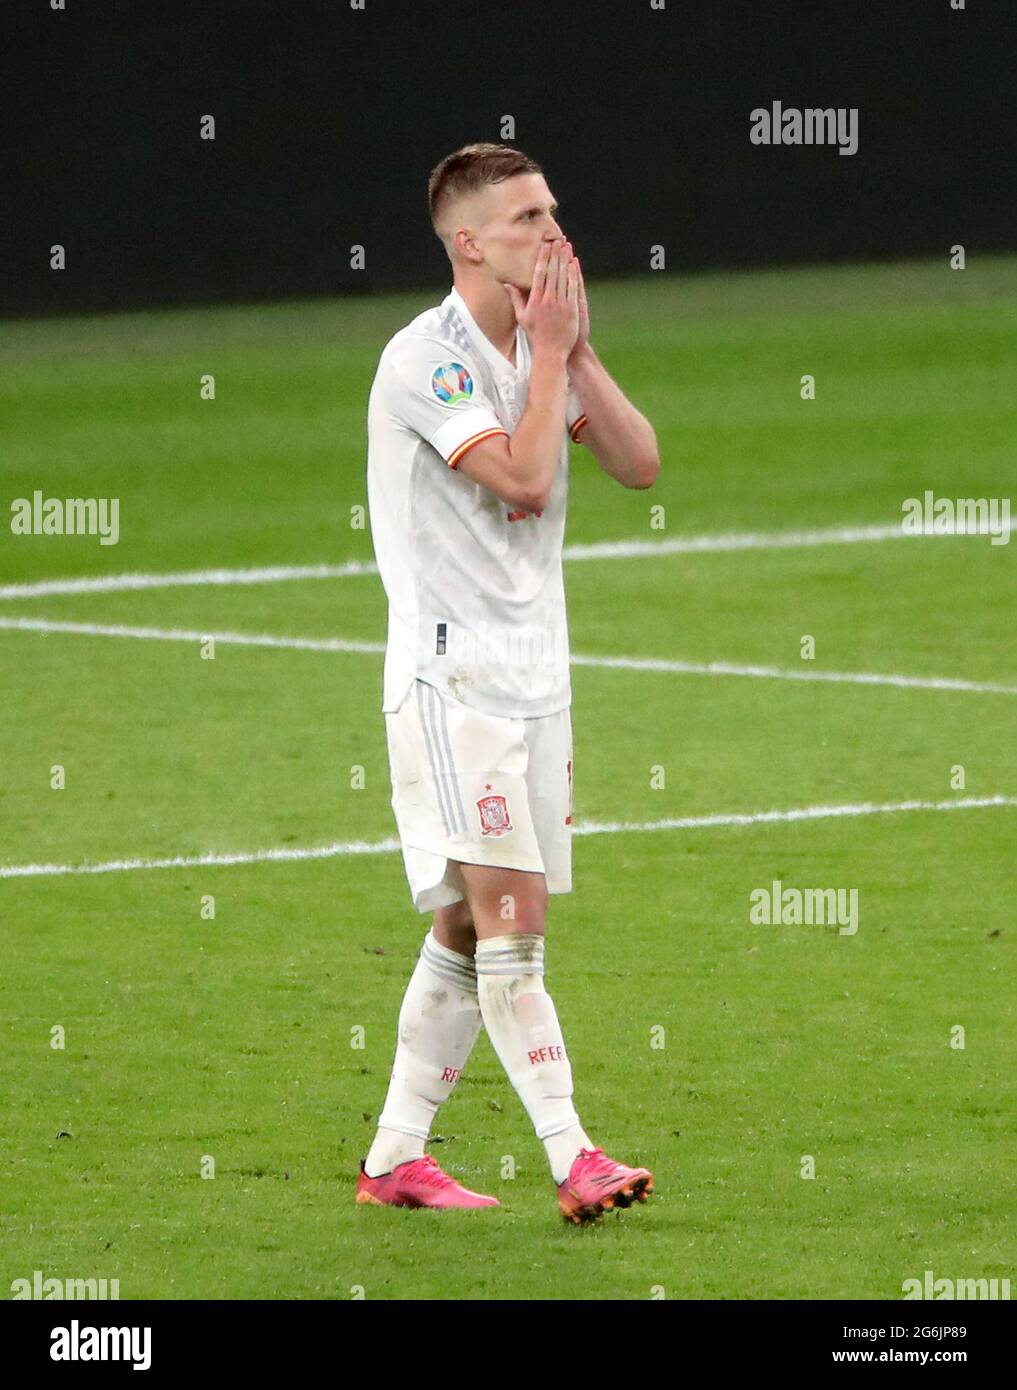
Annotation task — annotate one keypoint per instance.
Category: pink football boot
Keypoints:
(597, 1183)
(418, 1183)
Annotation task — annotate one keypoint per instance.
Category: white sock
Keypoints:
(521, 1022)
(563, 1149)
(438, 1024)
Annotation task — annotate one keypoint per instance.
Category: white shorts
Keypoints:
(478, 789)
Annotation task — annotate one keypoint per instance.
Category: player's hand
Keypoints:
(550, 316)
(583, 336)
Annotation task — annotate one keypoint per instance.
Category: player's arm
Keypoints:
(434, 394)
(620, 438)
(521, 469)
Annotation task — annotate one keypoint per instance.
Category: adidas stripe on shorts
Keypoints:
(480, 789)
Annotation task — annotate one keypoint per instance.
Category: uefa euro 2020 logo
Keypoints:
(452, 383)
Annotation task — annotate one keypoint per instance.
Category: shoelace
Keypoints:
(426, 1170)
(601, 1164)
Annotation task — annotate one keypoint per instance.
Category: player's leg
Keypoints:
(449, 791)
(453, 927)
(509, 907)
(595, 1182)
(439, 1019)
(516, 1007)
(439, 1022)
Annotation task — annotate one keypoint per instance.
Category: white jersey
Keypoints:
(476, 600)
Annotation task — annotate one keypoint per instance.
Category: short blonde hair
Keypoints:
(469, 169)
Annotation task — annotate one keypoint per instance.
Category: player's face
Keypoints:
(517, 215)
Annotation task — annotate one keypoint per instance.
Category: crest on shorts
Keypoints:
(494, 816)
(452, 383)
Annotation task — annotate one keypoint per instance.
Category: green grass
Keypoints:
(231, 1038)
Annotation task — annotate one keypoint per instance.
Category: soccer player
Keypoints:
(469, 419)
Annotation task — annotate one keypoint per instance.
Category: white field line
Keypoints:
(350, 847)
(727, 668)
(122, 583)
(180, 634)
(629, 663)
(601, 550)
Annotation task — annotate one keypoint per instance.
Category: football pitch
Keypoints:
(828, 1112)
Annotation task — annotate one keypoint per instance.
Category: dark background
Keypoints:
(329, 120)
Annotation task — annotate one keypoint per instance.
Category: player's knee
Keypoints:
(530, 908)
(524, 910)
(528, 917)
(513, 911)
(509, 901)
(458, 916)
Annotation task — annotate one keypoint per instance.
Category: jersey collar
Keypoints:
(501, 365)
